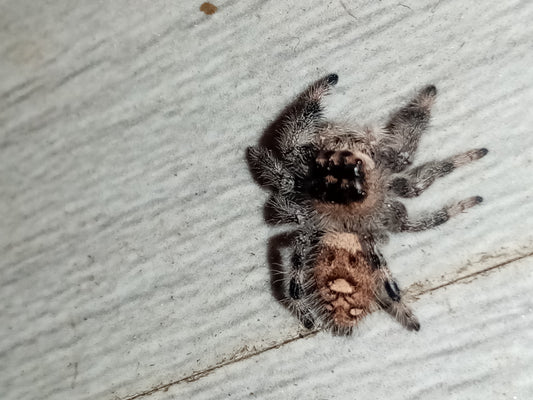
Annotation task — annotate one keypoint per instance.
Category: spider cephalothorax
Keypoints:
(341, 185)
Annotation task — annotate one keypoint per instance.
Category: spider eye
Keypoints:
(358, 168)
(336, 177)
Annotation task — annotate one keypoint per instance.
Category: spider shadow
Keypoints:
(269, 139)
(278, 268)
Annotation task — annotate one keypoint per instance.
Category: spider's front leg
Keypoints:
(301, 118)
(406, 127)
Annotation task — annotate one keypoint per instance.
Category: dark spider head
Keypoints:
(337, 177)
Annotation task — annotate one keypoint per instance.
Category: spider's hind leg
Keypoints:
(388, 293)
(390, 299)
(299, 280)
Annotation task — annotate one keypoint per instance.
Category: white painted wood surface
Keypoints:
(132, 241)
(476, 344)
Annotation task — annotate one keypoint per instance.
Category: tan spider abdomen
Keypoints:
(344, 278)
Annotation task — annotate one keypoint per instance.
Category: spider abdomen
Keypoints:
(344, 279)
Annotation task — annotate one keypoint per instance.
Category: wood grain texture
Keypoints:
(475, 345)
(132, 240)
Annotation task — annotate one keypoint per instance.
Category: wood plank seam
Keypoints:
(473, 274)
(200, 374)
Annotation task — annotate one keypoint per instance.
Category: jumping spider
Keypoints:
(340, 185)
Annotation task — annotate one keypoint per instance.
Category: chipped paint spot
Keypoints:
(208, 8)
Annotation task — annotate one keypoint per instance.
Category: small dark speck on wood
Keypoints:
(347, 11)
(403, 5)
(208, 8)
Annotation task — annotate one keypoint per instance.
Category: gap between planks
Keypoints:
(200, 374)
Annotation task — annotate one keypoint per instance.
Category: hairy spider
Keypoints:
(340, 185)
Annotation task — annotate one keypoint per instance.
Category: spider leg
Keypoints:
(269, 170)
(388, 293)
(416, 180)
(406, 127)
(390, 299)
(302, 117)
(397, 220)
(299, 279)
(282, 210)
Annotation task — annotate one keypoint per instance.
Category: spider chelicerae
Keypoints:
(340, 185)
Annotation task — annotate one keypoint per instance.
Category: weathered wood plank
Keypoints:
(133, 249)
(475, 345)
